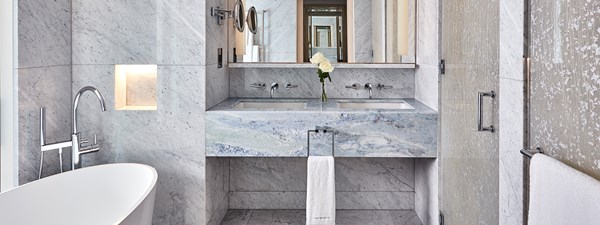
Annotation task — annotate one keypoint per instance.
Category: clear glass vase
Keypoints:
(323, 93)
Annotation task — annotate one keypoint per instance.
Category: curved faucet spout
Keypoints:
(76, 103)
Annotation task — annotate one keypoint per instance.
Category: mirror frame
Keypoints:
(238, 15)
(252, 20)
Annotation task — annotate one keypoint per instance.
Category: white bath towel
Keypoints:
(320, 191)
(561, 195)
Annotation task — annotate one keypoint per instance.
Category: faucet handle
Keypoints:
(381, 86)
(95, 139)
(354, 86)
(258, 85)
(290, 86)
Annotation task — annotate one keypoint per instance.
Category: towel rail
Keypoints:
(530, 152)
(321, 130)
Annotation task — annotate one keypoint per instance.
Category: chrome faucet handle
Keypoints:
(381, 86)
(95, 139)
(354, 86)
(258, 85)
(290, 86)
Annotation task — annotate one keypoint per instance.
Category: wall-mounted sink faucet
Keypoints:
(369, 87)
(77, 144)
(274, 87)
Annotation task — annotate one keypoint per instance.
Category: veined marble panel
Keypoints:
(408, 133)
(363, 31)
(180, 32)
(44, 33)
(169, 139)
(426, 190)
(352, 174)
(298, 217)
(307, 80)
(48, 87)
(217, 85)
(344, 200)
(361, 183)
(217, 188)
(427, 85)
(138, 32)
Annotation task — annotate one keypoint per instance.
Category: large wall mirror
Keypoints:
(345, 31)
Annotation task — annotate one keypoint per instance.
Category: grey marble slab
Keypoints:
(343, 217)
(402, 80)
(48, 87)
(359, 133)
(44, 33)
(217, 189)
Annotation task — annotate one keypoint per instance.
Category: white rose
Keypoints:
(318, 58)
(326, 67)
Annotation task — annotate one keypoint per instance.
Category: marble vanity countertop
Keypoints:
(232, 132)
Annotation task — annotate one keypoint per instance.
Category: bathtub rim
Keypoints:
(129, 211)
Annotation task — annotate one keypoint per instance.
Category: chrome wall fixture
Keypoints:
(480, 126)
(530, 152)
(323, 130)
(77, 144)
(237, 14)
(221, 14)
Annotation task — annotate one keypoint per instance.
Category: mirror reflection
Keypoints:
(345, 31)
(251, 19)
(238, 15)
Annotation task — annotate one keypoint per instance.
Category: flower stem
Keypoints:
(323, 93)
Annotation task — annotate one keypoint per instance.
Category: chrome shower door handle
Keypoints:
(480, 126)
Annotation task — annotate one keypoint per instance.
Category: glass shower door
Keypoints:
(469, 158)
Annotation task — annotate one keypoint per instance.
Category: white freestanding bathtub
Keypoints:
(100, 195)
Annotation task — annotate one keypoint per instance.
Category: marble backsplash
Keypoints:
(307, 80)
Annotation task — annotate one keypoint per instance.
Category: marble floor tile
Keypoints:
(344, 217)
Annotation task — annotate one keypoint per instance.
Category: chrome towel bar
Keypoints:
(530, 152)
(321, 130)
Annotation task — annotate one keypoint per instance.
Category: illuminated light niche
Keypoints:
(135, 87)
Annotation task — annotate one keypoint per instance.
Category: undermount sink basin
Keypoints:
(374, 104)
(283, 105)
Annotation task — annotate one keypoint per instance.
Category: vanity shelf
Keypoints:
(238, 132)
(311, 66)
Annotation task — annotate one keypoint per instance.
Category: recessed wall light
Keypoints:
(135, 87)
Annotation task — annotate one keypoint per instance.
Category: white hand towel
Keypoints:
(320, 191)
(561, 195)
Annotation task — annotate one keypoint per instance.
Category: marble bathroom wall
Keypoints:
(426, 91)
(511, 112)
(309, 86)
(361, 183)
(565, 59)
(44, 80)
(170, 34)
(217, 90)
